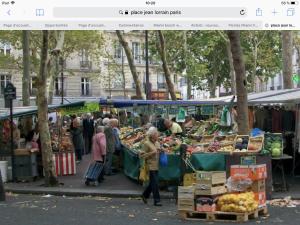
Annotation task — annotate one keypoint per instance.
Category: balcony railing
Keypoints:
(161, 85)
(85, 65)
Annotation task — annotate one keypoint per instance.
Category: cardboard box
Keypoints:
(211, 178)
(189, 179)
(186, 204)
(261, 198)
(186, 192)
(258, 186)
(205, 208)
(254, 172)
(207, 190)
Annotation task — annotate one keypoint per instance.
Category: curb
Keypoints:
(80, 192)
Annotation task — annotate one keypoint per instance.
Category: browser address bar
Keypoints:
(122, 12)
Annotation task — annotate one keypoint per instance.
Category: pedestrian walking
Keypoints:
(150, 153)
(88, 132)
(118, 144)
(99, 149)
(110, 146)
(77, 139)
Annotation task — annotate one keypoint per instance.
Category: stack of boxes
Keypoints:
(258, 175)
(200, 196)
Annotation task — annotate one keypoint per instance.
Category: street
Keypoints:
(51, 210)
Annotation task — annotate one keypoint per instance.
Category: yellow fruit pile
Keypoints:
(239, 203)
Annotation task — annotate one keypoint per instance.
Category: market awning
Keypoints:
(32, 110)
(131, 103)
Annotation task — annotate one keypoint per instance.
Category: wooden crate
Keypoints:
(186, 192)
(259, 140)
(226, 145)
(206, 190)
(189, 179)
(218, 216)
(186, 204)
(211, 177)
(207, 139)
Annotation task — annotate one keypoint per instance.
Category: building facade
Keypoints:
(81, 76)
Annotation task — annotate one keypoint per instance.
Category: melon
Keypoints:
(276, 152)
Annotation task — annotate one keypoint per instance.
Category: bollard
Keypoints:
(2, 192)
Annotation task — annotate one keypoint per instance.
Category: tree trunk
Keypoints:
(162, 52)
(287, 58)
(298, 62)
(132, 67)
(54, 60)
(213, 86)
(26, 78)
(253, 74)
(26, 69)
(50, 177)
(232, 73)
(241, 82)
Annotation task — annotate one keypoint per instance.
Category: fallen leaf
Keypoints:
(47, 196)
(155, 219)
(131, 216)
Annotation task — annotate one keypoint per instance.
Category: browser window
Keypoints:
(90, 39)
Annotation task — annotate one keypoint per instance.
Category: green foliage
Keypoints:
(268, 53)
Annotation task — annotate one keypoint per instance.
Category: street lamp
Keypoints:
(61, 63)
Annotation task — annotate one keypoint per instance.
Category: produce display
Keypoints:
(227, 148)
(255, 144)
(273, 144)
(240, 203)
(241, 143)
(62, 144)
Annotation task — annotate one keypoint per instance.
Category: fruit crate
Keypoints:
(258, 142)
(207, 139)
(270, 138)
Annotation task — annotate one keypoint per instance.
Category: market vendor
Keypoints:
(188, 123)
(173, 127)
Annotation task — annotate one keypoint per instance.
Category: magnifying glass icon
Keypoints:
(121, 12)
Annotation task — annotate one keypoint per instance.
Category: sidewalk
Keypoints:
(113, 186)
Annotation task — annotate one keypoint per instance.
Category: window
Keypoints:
(136, 51)
(4, 79)
(33, 86)
(117, 82)
(58, 86)
(118, 51)
(161, 81)
(85, 86)
(5, 48)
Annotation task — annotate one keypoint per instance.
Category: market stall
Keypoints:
(27, 154)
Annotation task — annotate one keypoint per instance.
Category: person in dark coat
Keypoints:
(77, 139)
(88, 132)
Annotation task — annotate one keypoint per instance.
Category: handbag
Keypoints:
(144, 173)
(163, 159)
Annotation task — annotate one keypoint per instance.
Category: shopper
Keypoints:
(99, 149)
(150, 153)
(173, 127)
(118, 145)
(77, 139)
(110, 146)
(88, 132)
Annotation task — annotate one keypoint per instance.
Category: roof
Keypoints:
(32, 110)
(130, 103)
(268, 97)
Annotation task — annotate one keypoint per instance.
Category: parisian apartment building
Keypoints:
(82, 77)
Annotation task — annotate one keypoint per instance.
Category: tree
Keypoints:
(26, 69)
(241, 82)
(162, 52)
(50, 177)
(262, 50)
(230, 61)
(287, 58)
(131, 64)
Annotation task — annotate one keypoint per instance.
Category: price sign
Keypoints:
(10, 92)
(207, 110)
